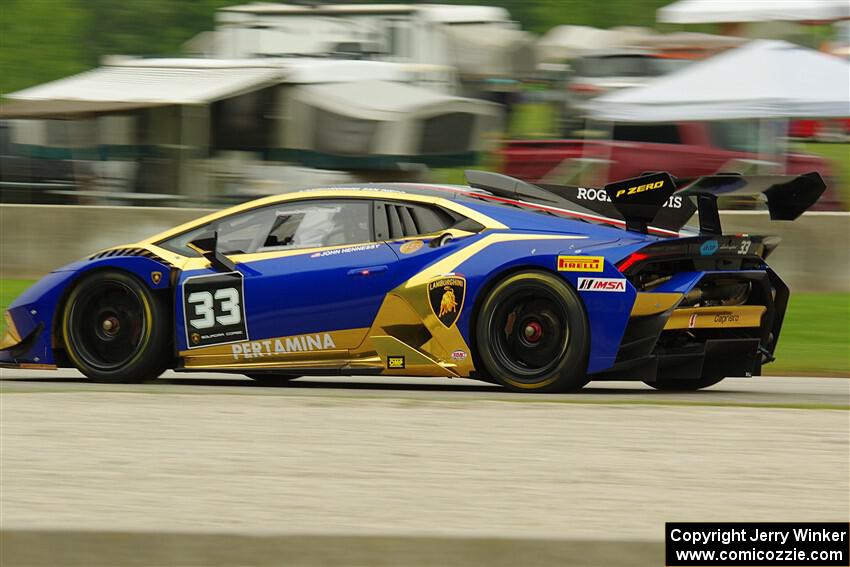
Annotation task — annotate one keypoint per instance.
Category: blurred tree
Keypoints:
(600, 14)
(145, 27)
(540, 15)
(39, 41)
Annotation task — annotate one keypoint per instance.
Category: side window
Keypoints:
(245, 233)
(289, 226)
(398, 220)
(313, 224)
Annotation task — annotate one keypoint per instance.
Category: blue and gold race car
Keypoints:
(534, 287)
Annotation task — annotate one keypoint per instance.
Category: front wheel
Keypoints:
(115, 329)
(532, 334)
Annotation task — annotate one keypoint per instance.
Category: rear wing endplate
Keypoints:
(787, 196)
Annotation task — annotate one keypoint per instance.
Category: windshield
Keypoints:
(747, 136)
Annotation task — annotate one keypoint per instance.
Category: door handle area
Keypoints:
(367, 271)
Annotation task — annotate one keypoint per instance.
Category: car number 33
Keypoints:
(214, 307)
(221, 306)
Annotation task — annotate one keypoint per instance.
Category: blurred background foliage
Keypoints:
(41, 40)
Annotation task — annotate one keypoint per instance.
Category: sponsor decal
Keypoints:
(709, 247)
(459, 355)
(602, 284)
(445, 296)
(348, 250)
(395, 362)
(156, 277)
(410, 247)
(726, 317)
(581, 263)
(692, 321)
(214, 310)
(592, 194)
(728, 246)
(283, 345)
(639, 189)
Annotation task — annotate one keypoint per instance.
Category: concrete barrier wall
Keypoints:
(814, 254)
(34, 239)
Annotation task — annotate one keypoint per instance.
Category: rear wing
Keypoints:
(662, 201)
(787, 196)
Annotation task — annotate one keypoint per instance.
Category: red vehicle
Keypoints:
(683, 149)
(825, 130)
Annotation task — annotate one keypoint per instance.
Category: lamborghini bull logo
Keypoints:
(448, 304)
(446, 296)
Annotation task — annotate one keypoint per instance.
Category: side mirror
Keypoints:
(204, 245)
(208, 248)
(441, 240)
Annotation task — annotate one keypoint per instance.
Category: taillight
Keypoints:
(632, 259)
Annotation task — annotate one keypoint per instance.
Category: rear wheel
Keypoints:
(115, 329)
(684, 385)
(532, 334)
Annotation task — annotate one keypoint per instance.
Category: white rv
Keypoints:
(477, 41)
(209, 128)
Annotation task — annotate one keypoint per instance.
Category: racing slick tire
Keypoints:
(272, 379)
(115, 329)
(532, 334)
(684, 385)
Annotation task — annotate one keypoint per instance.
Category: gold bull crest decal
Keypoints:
(446, 296)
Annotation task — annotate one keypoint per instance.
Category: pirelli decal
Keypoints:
(581, 263)
(742, 316)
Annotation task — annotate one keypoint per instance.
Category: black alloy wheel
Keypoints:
(115, 329)
(532, 334)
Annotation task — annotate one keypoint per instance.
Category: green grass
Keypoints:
(814, 339)
(839, 157)
(9, 290)
(533, 120)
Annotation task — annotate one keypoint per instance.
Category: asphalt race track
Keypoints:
(403, 470)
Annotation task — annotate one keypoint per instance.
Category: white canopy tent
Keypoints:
(720, 11)
(137, 85)
(761, 80)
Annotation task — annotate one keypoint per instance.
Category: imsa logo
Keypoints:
(445, 295)
(602, 284)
